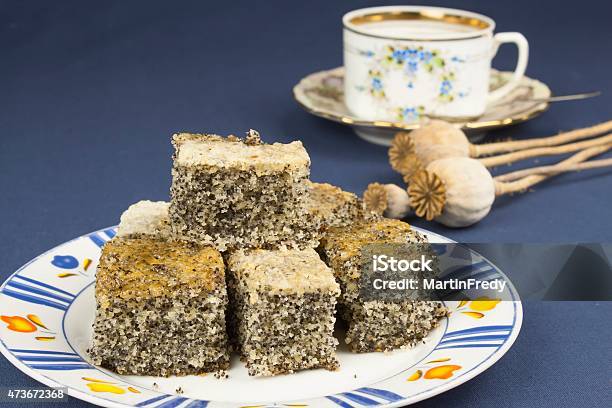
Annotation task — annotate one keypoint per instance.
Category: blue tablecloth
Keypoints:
(90, 93)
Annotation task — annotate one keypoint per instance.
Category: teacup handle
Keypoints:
(521, 64)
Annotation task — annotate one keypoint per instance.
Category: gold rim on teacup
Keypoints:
(356, 19)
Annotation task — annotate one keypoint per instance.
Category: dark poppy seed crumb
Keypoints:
(376, 325)
(330, 206)
(221, 374)
(234, 194)
(156, 313)
(252, 138)
(282, 306)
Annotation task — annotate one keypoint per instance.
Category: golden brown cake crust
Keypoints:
(349, 240)
(147, 268)
(330, 206)
(327, 198)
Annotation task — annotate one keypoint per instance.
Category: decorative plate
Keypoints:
(47, 308)
(322, 94)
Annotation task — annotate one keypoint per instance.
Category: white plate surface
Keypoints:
(48, 305)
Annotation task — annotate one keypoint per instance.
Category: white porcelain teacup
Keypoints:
(406, 62)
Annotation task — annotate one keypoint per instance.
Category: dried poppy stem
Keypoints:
(550, 170)
(562, 138)
(576, 162)
(544, 151)
(557, 169)
(412, 152)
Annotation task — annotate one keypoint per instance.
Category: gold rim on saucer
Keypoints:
(322, 94)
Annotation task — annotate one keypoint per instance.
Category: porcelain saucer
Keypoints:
(322, 94)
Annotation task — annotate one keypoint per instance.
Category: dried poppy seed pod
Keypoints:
(438, 140)
(456, 191)
(412, 152)
(398, 203)
(388, 200)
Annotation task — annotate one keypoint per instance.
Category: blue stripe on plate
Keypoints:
(175, 402)
(110, 232)
(197, 404)
(481, 329)
(32, 289)
(360, 399)
(60, 367)
(481, 274)
(468, 346)
(44, 285)
(47, 358)
(384, 394)
(338, 401)
(34, 299)
(62, 353)
(152, 400)
(97, 240)
(475, 338)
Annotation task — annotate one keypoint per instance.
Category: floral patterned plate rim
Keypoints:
(322, 94)
(48, 305)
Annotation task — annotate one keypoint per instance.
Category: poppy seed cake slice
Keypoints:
(377, 325)
(330, 206)
(145, 218)
(160, 308)
(282, 310)
(235, 193)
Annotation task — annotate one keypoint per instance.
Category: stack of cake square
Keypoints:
(230, 262)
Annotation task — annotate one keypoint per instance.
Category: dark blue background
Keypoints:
(91, 92)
